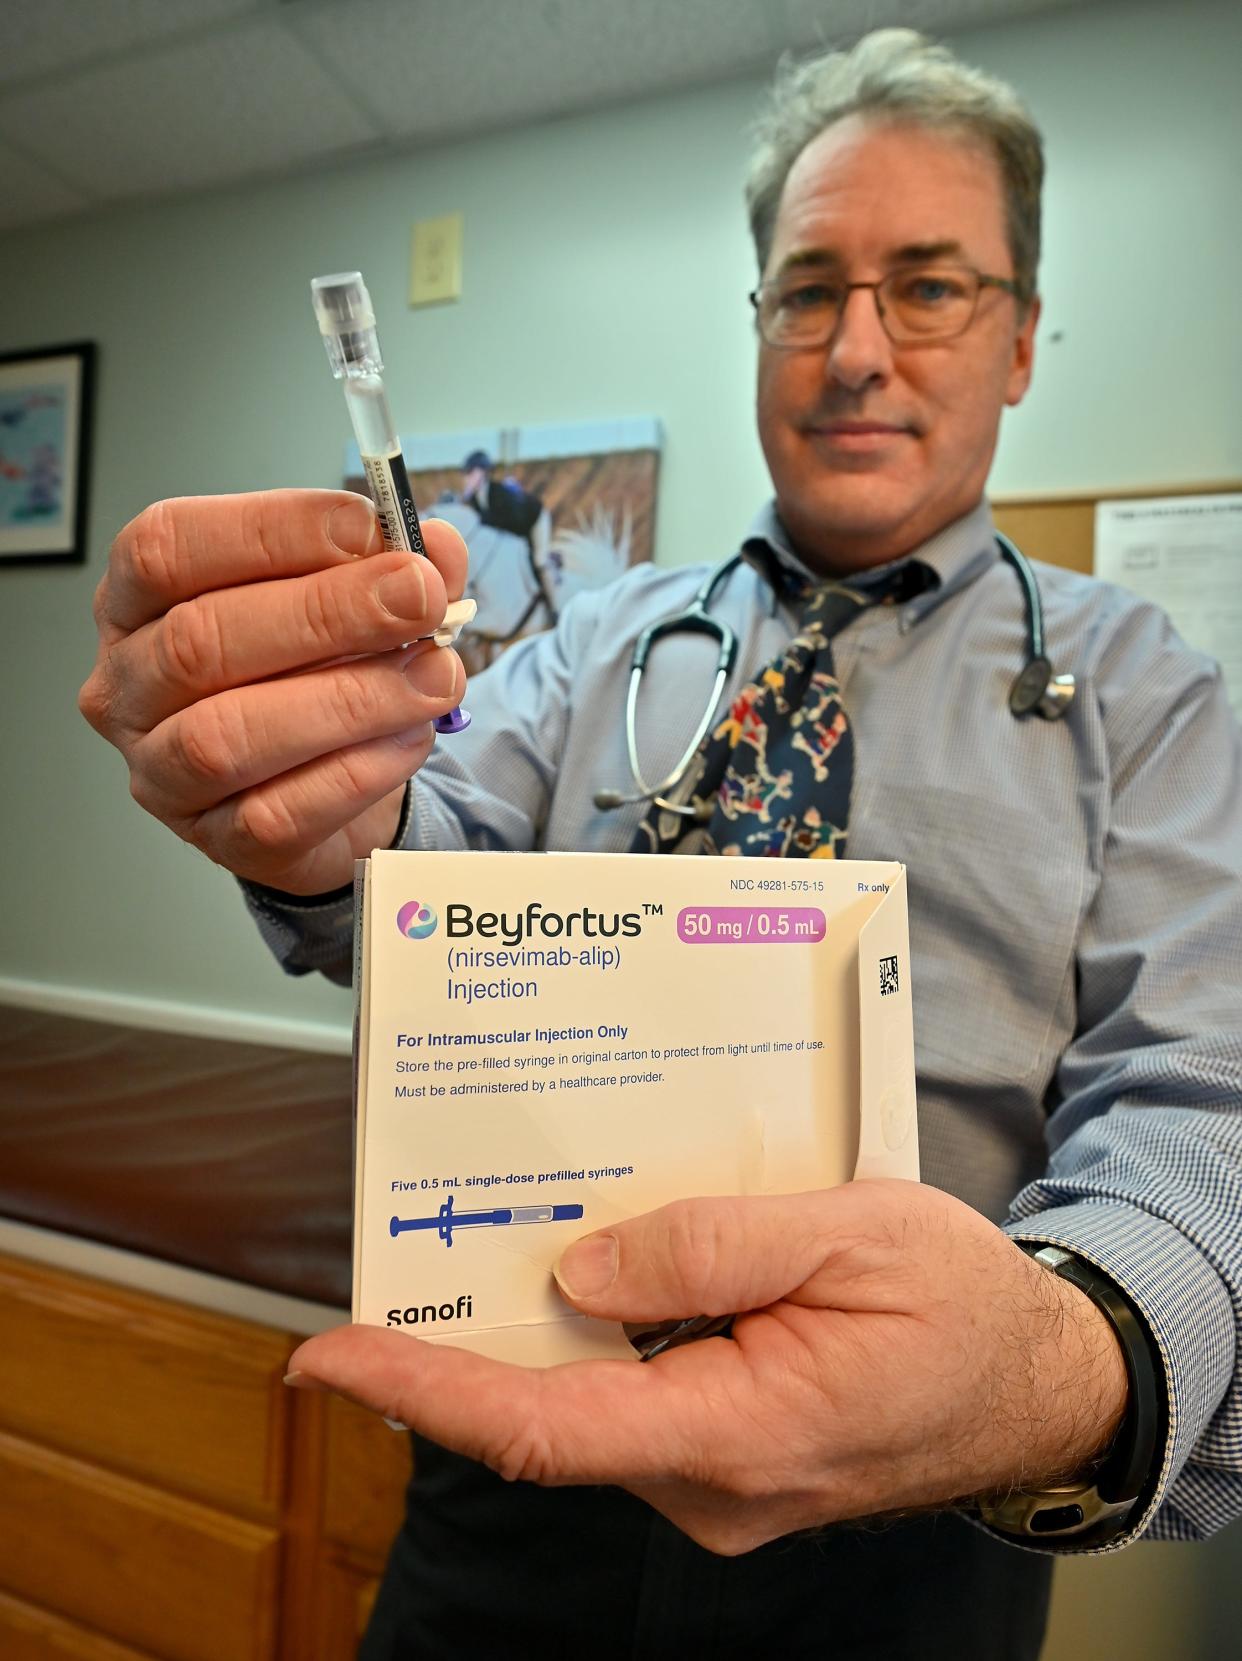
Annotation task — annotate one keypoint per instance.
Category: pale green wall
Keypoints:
(605, 268)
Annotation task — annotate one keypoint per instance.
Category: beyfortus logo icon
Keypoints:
(416, 920)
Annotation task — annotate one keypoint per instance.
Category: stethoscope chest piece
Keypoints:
(1037, 691)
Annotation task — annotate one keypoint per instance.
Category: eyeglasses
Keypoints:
(916, 303)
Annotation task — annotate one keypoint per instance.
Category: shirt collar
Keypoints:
(954, 557)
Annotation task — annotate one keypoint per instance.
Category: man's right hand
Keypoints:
(254, 671)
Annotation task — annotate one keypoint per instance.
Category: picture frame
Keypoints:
(567, 507)
(46, 399)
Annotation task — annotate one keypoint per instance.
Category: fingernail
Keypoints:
(433, 673)
(395, 1424)
(589, 1267)
(299, 1381)
(403, 592)
(354, 529)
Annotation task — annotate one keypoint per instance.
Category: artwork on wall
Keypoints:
(45, 408)
(546, 511)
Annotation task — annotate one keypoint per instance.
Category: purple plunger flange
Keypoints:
(457, 720)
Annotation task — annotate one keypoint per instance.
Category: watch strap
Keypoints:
(1100, 1507)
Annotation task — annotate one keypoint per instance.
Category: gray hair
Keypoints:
(900, 76)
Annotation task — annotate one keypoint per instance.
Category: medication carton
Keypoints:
(548, 1043)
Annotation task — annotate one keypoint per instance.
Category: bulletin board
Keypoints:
(1061, 529)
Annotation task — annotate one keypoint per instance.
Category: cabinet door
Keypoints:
(30, 1634)
(344, 1593)
(366, 1468)
(349, 1473)
(154, 1571)
(188, 1400)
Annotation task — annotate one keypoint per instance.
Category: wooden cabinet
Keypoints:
(31, 1634)
(164, 1497)
(352, 1471)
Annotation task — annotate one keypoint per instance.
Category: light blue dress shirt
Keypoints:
(1075, 895)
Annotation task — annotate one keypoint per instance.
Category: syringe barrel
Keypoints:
(371, 417)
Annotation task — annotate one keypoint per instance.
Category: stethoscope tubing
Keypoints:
(656, 791)
(1014, 556)
(1035, 688)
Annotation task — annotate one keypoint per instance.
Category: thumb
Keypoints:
(699, 1257)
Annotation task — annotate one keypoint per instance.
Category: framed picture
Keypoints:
(45, 408)
(545, 511)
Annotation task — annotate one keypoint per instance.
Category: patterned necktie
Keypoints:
(774, 777)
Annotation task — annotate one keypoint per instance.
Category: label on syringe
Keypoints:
(389, 484)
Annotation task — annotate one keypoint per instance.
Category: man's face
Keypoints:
(873, 447)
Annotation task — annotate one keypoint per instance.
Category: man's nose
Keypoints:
(860, 353)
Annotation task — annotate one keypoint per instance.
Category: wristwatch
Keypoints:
(1101, 1506)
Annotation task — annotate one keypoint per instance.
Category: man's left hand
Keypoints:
(893, 1351)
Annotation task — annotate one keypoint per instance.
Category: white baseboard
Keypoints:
(157, 1015)
(166, 1280)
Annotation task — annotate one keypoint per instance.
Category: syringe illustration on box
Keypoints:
(446, 1219)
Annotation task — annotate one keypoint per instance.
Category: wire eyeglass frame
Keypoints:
(820, 336)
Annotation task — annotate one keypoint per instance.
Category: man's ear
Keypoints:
(1023, 355)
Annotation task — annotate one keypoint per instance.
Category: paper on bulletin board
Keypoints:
(1185, 554)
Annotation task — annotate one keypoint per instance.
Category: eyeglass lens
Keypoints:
(924, 303)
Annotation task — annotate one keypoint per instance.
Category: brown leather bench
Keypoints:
(228, 1157)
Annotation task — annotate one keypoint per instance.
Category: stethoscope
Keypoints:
(1036, 690)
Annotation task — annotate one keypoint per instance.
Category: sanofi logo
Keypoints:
(416, 920)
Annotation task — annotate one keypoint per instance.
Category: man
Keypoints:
(1076, 904)
(499, 502)
(514, 590)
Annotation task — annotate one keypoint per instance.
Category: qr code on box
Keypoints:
(888, 976)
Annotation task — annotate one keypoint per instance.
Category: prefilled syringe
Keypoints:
(346, 321)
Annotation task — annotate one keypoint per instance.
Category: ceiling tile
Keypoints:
(428, 70)
(28, 193)
(144, 97)
(247, 102)
(809, 21)
(37, 36)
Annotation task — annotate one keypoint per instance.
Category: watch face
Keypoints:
(1056, 1519)
(1076, 1512)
